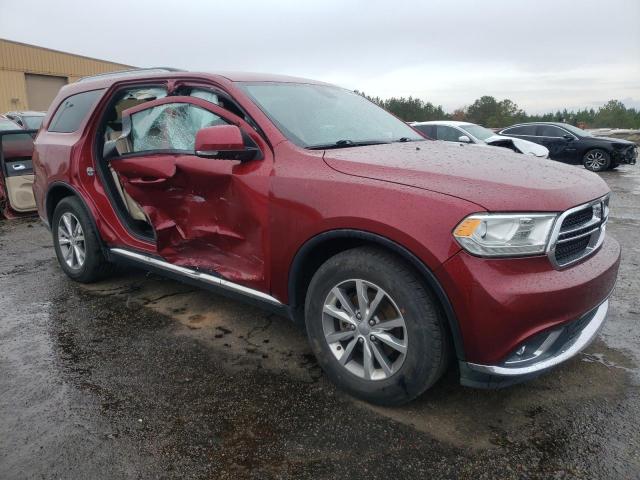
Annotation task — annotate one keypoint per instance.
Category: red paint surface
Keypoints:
(505, 301)
(247, 220)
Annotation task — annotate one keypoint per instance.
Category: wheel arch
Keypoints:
(56, 192)
(320, 248)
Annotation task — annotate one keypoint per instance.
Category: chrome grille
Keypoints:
(578, 232)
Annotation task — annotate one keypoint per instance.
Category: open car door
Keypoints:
(208, 209)
(16, 172)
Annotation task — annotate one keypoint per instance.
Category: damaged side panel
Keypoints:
(206, 213)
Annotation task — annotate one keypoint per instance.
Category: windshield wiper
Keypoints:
(345, 144)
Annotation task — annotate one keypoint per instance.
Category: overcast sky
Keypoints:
(542, 54)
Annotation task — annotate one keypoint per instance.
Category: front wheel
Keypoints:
(596, 160)
(374, 328)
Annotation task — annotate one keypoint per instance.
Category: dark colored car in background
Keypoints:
(570, 144)
(397, 253)
(27, 120)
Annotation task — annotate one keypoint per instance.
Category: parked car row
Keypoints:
(398, 254)
(557, 141)
(570, 144)
(465, 132)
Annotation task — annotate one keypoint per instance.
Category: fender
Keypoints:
(431, 280)
(74, 191)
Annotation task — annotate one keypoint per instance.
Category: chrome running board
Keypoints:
(195, 275)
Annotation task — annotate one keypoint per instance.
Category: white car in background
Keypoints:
(465, 132)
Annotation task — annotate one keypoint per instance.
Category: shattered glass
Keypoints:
(170, 127)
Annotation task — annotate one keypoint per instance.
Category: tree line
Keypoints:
(490, 112)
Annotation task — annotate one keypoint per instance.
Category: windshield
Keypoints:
(477, 131)
(321, 115)
(576, 130)
(33, 123)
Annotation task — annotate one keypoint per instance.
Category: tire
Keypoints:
(423, 333)
(70, 214)
(596, 160)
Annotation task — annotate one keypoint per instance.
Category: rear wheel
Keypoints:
(374, 328)
(76, 242)
(596, 160)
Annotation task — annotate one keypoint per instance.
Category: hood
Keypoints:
(496, 179)
(525, 146)
(621, 141)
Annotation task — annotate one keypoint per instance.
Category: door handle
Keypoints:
(147, 181)
(19, 166)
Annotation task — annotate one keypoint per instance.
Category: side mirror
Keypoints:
(225, 142)
(464, 139)
(568, 137)
(211, 140)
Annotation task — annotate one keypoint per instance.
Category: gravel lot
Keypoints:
(143, 377)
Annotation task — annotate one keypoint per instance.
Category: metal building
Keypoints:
(30, 76)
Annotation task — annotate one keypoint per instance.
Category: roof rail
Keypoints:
(134, 71)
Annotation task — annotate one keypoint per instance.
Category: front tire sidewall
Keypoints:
(605, 155)
(422, 364)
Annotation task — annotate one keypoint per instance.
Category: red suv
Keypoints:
(396, 252)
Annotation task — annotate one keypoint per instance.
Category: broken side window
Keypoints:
(171, 126)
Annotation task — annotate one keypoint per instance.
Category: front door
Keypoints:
(559, 143)
(206, 213)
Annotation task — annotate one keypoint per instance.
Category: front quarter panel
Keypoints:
(308, 198)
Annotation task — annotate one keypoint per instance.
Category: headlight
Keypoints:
(505, 235)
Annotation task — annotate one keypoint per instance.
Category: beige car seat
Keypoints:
(130, 204)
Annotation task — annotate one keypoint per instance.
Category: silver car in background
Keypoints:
(465, 132)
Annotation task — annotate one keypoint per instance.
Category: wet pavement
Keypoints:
(144, 377)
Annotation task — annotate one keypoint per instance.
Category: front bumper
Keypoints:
(628, 155)
(503, 304)
(537, 354)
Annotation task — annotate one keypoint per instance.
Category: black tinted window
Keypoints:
(72, 111)
(428, 130)
(550, 131)
(523, 130)
(448, 134)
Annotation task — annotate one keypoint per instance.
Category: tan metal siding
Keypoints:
(12, 87)
(42, 89)
(16, 59)
(30, 59)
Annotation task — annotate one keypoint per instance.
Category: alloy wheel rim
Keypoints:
(71, 240)
(595, 160)
(364, 329)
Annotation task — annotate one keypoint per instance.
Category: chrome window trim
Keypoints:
(504, 132)
(596, 240)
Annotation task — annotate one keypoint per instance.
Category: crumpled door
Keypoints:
(206, 213)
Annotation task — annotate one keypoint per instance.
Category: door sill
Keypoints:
(196, 276)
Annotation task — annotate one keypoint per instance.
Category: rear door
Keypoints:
(16, 171)
(525, 132)
(206, 213)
